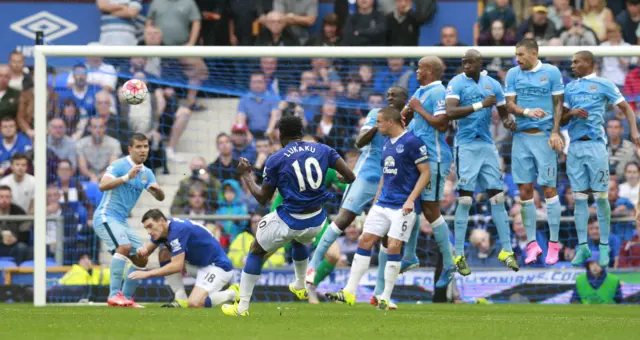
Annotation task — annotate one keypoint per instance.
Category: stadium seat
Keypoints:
(29, 264)
(93, 192)
(6, 262)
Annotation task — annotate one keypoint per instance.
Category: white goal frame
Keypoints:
(41, 53)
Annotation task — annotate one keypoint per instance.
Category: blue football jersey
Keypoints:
(297, 170)
(118, 202)
(534, 90)
(86, 102)
(368, 165)
(475, 126)
(593, 94)
(201, 247)
(432, 97)
(399, 159)
(22, 144)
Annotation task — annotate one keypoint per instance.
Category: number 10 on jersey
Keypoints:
(309, 163)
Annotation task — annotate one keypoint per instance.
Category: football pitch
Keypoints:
(325, 321)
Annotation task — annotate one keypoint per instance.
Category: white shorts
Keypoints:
(212, 279)
(386, 221)
(273, 233)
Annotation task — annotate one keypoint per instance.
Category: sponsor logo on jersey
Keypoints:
(175, 245)
(390, 166)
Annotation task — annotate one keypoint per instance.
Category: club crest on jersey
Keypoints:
(487, 87)
(144, 179)
(400, 148)
(389, 166)
(463, 181)
(543, 80)
(449, 89)
(593, 87)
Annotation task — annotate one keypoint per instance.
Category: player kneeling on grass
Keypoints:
(194, 243)
(405, 175)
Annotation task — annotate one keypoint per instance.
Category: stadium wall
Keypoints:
(77, 23)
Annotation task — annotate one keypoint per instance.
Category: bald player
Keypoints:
(471, 96)
(429, 122)
(586, 100)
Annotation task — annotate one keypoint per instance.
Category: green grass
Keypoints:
(325, 321)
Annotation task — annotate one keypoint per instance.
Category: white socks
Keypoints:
(358, 268)
(177, 286)
(391, 272)
(222, 297)
(247, 283)
(301, 272)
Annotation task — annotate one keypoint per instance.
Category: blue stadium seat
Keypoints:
(93, 192)
(29, 264)
(6, 262)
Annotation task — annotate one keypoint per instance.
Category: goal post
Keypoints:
(43, 52)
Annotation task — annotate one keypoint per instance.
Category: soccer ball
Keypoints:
(134, 92)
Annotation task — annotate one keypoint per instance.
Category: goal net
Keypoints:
(209, 105)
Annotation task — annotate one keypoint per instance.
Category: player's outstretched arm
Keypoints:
(110, 182)
(175, 266)
(423, 180)
(147, 249)
(631, 119)
(440, 122)
(366, 136)
(346, 175)
(262, 193)
(156, 191)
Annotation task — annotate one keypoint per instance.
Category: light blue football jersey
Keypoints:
(118, 202)
(432, 97)
(475, 126)
(593, 94)
(368, 165)
(534, 90)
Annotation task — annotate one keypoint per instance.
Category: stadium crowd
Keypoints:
(89, 127)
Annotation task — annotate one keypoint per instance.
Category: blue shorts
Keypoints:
(533, 160)
(115, 233)
(439, 173)
(478, 162)
(588, 166)
(358, 194)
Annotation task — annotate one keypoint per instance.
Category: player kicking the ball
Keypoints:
(297, 171)
(470, 98)
(586, 100)
(123, 183)
(192, 243)
(405, 174)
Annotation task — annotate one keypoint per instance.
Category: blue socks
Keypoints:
(382, 263)
(299, 252)
(441, 234)
(118, 262)
(581, 215)
(253, 264)
(501, 220)
(409, 252)
(553, 214)
(529, 219)
(604, 216)
(129, 286)
(330, 235)
(461, 223)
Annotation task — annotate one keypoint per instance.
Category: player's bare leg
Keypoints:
(129, 285)
(248, 280)
(359, 266)
(501, 220)
(528, 212)
(180, 299)
(461, 223)
(336, 228)
(554, 210)
(391, 272)
(431, 211)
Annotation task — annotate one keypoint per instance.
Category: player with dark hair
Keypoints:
(123, 183)
(191, 243)
(405, 174)
(534, 94)
(586, 100)
(470, 97)
(297, 171)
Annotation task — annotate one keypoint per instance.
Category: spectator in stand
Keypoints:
(297, 16)
(482, 252)
(631, 88)
(375, 100)
(19, 230)
(497, 36)
(269, 67)
(76, 124)
(97, 151)
(620, 206)
(597, 16)
(396, 74)
(275, 33)
(621, 151)
(326, 76)
(81, 91)
(537, 27)
(449, 203)
(26, 107)
(12, 142)
(241, 245)
(242, 143)
(9, 97)
(97, 73)
(20, 80)
(52, 163)
(201, 178)
(500, 10)
(22, 184)
(198, 205)
(230, 203)
(556, 12)
(63, 145)
(449, 37)
(329, 35)
(116, 126)
(365, 71)
(225, 165)
(366, 27)
(630, 188)
(404, 23)
(72, 192)
(629, 255)
(288, 107)
(614, 68)
(629, 20)
(567, 25)
(311, 94)
(348, 244)
(263, 151)
(10, 247)
(596, 286)
(117, 23)
(577, 35)
(181, 28)
(519, 241)
(256, 107)
(351, 106)
(594, 240)
(328, 128)
(217, 26)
